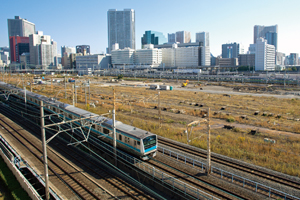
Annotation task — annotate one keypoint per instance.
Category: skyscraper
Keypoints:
(203, 37)
(43, 50)
(294, 59)
(230, 50)
(121, 28)
(68, 50)
(171, 38)
(18, 27)
(264, 55)
(153, 37)
(269, 33)
(183, 36)
(84, 49)
(18, 46)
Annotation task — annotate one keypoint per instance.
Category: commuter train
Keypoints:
(133, 140)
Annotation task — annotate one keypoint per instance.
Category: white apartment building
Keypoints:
(122, 57)
(186, 56)
(264, 55)
(148, 56)
(204, 59)
(95, 61)
(168, 56)
(43, 50)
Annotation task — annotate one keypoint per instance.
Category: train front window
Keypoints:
(149, 142)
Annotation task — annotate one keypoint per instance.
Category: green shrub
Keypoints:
(230, 119)
(10, 181)
(120, 76)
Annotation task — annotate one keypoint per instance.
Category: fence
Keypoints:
(225, 174)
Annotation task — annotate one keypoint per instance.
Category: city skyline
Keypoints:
(217, 18)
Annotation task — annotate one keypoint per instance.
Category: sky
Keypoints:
(73, 22)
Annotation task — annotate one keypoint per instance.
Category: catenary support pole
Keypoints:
(208, 167)
(89, 90)
(44, 151)
(159, 110)
(73, 94)
(65, 88)
(85, 95)
(75, 89)
(114, 128)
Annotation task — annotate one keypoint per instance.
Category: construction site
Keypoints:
(254, 123)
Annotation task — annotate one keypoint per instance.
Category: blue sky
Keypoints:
(73, 22)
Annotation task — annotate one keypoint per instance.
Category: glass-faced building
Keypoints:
(153, 37)
(230, 50)
(270, 33)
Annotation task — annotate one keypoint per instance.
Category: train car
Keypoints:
(133, 140)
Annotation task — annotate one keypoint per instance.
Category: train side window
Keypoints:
(54, 109)
(138, 142)
(94, 126)
(120, 137)
(134, 143)
(105, 131)
(127, 139)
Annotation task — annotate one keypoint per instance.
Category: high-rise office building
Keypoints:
(18, 46)
(18, 27)
(4, 55)
(153, 37)
(294, 59)
(247, 60)
(230, 50)
(121, 28)
(269, 33)
(264, 55)
(203, 37)
(204, 56)
(183, 36)
(280, 58)
(84, 49)
(171, 38)
(68, 50)
(43, 50)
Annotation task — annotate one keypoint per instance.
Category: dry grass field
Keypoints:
(137, 106)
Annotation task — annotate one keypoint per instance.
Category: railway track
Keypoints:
(73, 177)
(55, 169)
(242, 167)
(188, 178)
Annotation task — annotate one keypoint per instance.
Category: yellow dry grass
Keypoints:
(135, 107)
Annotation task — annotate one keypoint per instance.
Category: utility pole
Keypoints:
(31, 82)
(65, 88)
(85, 95)
(114, 128)
(73, 95)
(44, 151)
(89, 90)
(75, 92)
(208, 167)
(25, 98)
(51, 85)
(159, 112)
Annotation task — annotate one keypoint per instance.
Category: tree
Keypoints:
(120, 76)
